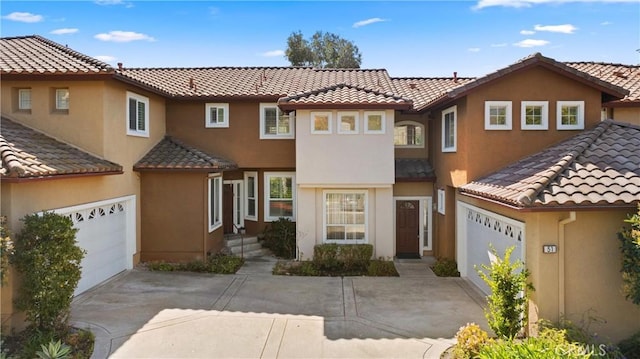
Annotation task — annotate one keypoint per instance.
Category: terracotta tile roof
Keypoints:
(172, 154)
(533, 60)
(344, 96)
(424, 90)
(229, 82)
(599, 167)
(37, 55)
(413, 169)
(625, 76)
(28, 154)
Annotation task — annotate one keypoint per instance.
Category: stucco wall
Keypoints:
(627, 114)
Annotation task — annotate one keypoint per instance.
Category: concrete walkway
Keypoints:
(253, 314)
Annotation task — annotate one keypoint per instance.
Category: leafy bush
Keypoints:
(445, 267)
(6, 249)
(630, 248)
(219, 263)
(469, 340)
(29, 342)
(509, 297)
(381, 268)
(47, 257)
(630, 347)
(342, 257)
(280, 238)
(55, 350)
(550, 344)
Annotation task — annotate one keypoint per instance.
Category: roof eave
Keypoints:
(12, 179)
(182, 169)
(344, 106)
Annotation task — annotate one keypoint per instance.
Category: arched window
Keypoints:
(408, 134)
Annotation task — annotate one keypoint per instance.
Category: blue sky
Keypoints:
(412, 38)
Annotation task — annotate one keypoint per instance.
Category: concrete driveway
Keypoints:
(252, 314)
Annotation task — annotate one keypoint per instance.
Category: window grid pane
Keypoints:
(449, 130)
(62, 99)
(348, 123)
(270, 121)
(374, 123)
(141, 115)
(345, 216)
(132, 113)
(24, 99)
(497, 115)
(569, 115)
(533, 115)
(283, 124)
(321, 123)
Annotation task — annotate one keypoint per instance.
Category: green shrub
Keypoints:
(445, 267)
(280, 238)
(55, 350)
(630, 248)
(325, 257)
(47, 257)
(630, 347)
(342, 257)
(381, 268)
(219, 263)
(550, 344)
(469, 340)
(6, 249)
(509, 296)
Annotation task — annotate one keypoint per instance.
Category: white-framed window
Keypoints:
(497, 115)
(570, 115)
(251, 195)
(374, 122)
(449, 129)
(279, 195)
(408, 134)
(215, 202)
(345, 216)
(441, 203)
(24, 99)
(216, 115)
(137, 115)
(534, 115)
(321, 122)
(275, 124)
(348, 122)
(62, 99)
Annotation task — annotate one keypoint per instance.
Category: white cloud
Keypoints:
(23, 17)
(64, 31)
(503, 44)
(563, 29)
(105, 58)
(529, 3)
(531, 43)
(123, 36)
(273, 53)
(605, 23)
(473, 49)
(366, 22)
(114, 2)
(527, 32)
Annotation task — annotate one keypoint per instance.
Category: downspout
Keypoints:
(561, 261)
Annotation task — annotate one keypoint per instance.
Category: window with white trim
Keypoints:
(409, 134)
(137, 115)
(251, 195)
(348, 122)
(24, 99)
(275, 124)
(62, 99)
(216, 115)
(280, 195)
(441, 203)
(345, 216)
(374, 122)
(321, 122)
(534, 115)
(570, 115)
(449, 129)
(215, 202)
(497, 115)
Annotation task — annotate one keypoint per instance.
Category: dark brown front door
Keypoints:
(407, 227)
(227, 208)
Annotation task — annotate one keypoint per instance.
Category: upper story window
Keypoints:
(24, 99)
(321, 122)
(374, 121)
(137, 115)
(279, 190)
(275, 124)
(570, 115)
(408, 134)
(62, 99)
(449, 129)
(216, 115)
(497, 115)
(348, 122)
(534, 115)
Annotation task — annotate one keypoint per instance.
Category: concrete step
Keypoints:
(246, 248)
(237, 241)
(262, 252)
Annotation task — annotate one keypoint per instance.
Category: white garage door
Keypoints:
(105, 233)
(477, 229)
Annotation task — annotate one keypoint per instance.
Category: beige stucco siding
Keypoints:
(627, 114)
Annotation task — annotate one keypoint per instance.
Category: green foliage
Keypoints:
(630, 347)
(381, 268)
(469, 340)
(322, 50)
(550, 344)
(6, 250)
(280, 238)
(378, 268)
(29, 342)
(342, 257)
(47, 257)
(445, 267)
(509, 296)
(55, 350)
(219, 263)
(630, 248)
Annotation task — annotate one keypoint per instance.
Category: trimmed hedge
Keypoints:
(342, 257)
